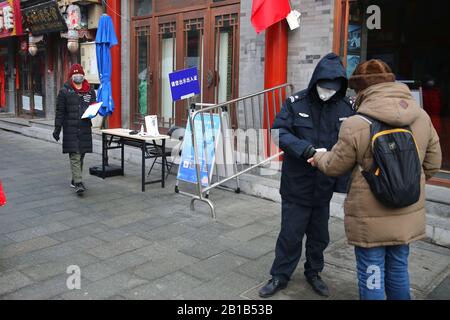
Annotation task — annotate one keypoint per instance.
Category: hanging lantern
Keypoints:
(73, 24)
(72, 41)
(73, 20)
(32, 44)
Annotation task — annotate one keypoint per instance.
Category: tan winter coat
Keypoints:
(367, 222)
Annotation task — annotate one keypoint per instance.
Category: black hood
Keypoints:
(330, 68)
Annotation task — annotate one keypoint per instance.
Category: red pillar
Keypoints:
(275, 69)
(115, 120)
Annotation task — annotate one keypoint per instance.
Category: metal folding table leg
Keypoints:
(163, 175)
(143, 166)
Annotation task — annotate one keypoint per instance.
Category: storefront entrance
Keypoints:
(206, 38)
(413, 41)
(31, 90)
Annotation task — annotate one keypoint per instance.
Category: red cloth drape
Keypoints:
(267, 12)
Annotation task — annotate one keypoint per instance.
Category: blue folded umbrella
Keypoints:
(105, 39)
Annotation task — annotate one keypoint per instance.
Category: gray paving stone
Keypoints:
(43, 290)
(80, 232)
(12, 281)
(4, 241)
(39, 272)
(170, 230)
(258, 269)
(231, 285)
(98, 271)
(160, 266)
(26, 246)
(85, 243)
(118, 247)
(168, 287)
(106, 288)
(11, 227)
(35, 232)
(22, 217)
(215, 266)
(112, 235)
(248, 232)
(78, 221)
(442, 291)
(209, 232)
(255, 248)
(56, 217)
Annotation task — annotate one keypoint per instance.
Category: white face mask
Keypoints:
(325, 94)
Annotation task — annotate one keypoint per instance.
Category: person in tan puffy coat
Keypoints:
(381, 235)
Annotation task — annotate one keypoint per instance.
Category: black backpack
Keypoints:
(395, 176)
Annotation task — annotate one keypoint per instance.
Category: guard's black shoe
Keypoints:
(272, 287)
(83, 186)
(319, 286)
(72, 184)
(79, 189)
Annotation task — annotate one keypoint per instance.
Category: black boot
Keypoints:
(319, 286)
(272, 287)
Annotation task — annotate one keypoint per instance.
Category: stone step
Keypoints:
(14, 124)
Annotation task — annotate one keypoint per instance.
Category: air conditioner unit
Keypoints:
(89, 61)
(94, 13)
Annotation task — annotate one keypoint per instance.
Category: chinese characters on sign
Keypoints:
(184, 84)
(10, 18)
(183, 81)
(44, 18)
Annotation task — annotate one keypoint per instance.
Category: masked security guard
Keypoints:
(309, 120)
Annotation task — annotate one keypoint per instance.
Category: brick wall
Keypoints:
(306, 45)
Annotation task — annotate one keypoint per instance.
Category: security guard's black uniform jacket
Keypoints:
(303, 121)
(306, 120)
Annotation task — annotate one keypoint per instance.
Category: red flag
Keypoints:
(267, 12)
(2, 196)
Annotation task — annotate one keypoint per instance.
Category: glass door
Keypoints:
(31, 93)
(142, 81)
(224, 36)
(193, 56)
(167, 48)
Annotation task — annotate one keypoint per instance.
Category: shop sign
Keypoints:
(44, 18)
(10, 18)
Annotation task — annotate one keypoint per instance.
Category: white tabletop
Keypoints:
(126, 134)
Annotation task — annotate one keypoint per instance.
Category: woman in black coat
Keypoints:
(72, 101)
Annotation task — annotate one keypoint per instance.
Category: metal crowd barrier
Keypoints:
(247, 121)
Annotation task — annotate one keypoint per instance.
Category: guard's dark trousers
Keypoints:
(296, 221)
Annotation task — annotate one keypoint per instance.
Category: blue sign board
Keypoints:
(184, 84)
(187, 169)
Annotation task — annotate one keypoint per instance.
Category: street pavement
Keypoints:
(134, 245)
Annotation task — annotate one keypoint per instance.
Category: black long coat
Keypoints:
(77, 132)
(306, 120)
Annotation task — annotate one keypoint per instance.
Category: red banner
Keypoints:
(10, 19)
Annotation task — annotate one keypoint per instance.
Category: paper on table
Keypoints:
(151, 122)
(91, 111)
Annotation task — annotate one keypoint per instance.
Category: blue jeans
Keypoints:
(383, 270)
